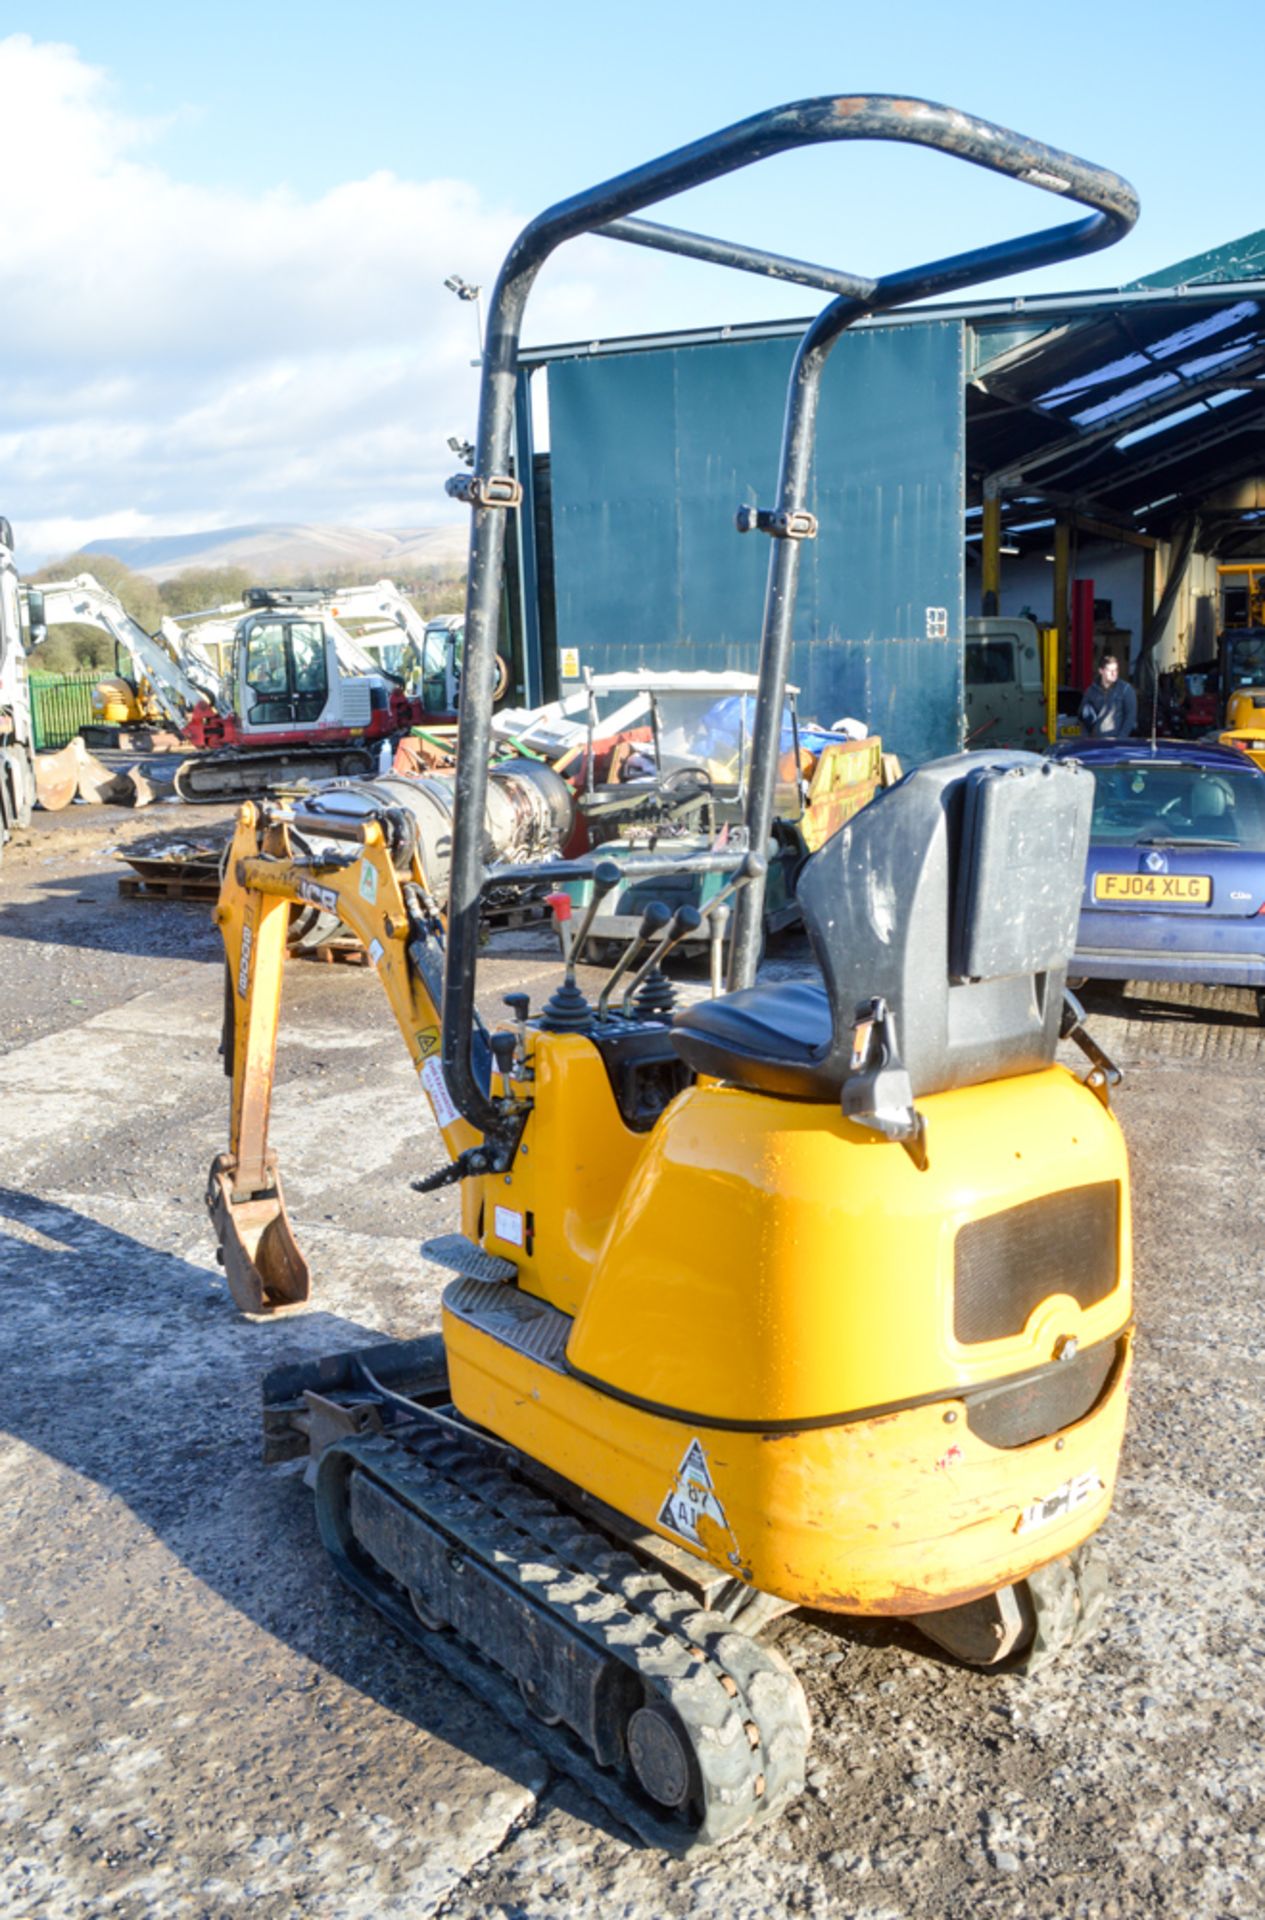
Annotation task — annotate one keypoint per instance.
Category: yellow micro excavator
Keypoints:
(814, 1294)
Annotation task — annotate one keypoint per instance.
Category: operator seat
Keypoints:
(953, 897)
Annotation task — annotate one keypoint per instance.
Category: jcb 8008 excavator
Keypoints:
(815, 1294)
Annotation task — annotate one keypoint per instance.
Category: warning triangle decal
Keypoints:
(692, 1496)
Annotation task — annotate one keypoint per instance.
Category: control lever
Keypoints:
(504, 1045)
(1103, 1072)
(717, 911)
(653, 921)
(719, 923)
(684, 922)
(605, 876)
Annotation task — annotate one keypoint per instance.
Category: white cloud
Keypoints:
(178, 356)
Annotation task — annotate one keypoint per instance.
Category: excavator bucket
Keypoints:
(57, 777)
(265, 1270)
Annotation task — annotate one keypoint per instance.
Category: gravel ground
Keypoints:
(194, 1715)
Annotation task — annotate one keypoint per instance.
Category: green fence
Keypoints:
(61, 703)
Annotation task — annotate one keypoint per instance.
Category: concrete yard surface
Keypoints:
(197, 1718)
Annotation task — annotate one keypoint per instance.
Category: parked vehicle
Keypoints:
(670, 775)
(1175, 879)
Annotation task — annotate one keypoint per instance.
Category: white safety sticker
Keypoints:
(368, 881)
(376, 951)
(1064, 1500)
(243, 965)
(937, 623)
(692, 1496)
(437, 1093)
(508, 1225)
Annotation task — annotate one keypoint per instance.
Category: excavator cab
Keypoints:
(816, 1295)
(285, 673)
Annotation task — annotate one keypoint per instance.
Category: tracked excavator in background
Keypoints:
(166, 677)
(814, 1294)
(300, 700)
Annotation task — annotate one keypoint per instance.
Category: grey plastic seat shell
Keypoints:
(954, 896)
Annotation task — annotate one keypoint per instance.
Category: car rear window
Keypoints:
(1174, 802)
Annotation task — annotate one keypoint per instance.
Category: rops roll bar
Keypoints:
(491, 490)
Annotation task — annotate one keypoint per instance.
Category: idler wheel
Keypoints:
(661, 1756)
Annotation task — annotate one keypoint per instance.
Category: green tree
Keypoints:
(199, 588)
(138, 594)
(438, 590)
(71, 648)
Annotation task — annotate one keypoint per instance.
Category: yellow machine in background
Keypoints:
(812, 1294)
(117, 703)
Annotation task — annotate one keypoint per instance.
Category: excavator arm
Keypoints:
(370, 875)
(83, 601)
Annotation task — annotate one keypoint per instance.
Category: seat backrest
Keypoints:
(954, 896)
(1209, 800)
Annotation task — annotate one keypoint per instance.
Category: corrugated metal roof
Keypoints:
(1134, 414)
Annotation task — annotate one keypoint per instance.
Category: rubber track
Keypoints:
(270, 769)
(740, 1703)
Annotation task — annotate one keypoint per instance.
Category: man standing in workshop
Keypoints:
(1109, 709)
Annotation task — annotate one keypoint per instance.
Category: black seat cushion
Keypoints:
(773, 1038)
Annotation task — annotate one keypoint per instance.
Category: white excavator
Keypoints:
(167, 674)
(17, 735)
(270, 689)
(391, 635)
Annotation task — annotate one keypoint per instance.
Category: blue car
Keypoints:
(1175, 880)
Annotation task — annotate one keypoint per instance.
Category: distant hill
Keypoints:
(287, 552)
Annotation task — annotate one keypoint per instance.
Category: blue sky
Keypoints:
(229, 225)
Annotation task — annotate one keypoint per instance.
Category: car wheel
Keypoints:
(1260, 1004)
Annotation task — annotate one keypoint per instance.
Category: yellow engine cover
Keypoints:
(114, 703)
(1242, 714)
(767, 1366)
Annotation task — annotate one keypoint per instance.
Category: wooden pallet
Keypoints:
(171, 887)
(335, 953)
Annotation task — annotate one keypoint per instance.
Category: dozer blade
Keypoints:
(265, 1270)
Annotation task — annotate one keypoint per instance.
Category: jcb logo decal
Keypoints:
(319, 896)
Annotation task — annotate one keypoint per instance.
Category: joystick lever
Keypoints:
(605, 876)
(684, 922)
(653, 921)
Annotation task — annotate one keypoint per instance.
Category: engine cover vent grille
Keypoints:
(1008, 1264)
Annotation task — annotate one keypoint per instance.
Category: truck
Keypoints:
(17, 735)
(1004, 674)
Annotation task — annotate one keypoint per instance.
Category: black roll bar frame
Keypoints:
(608, 209)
